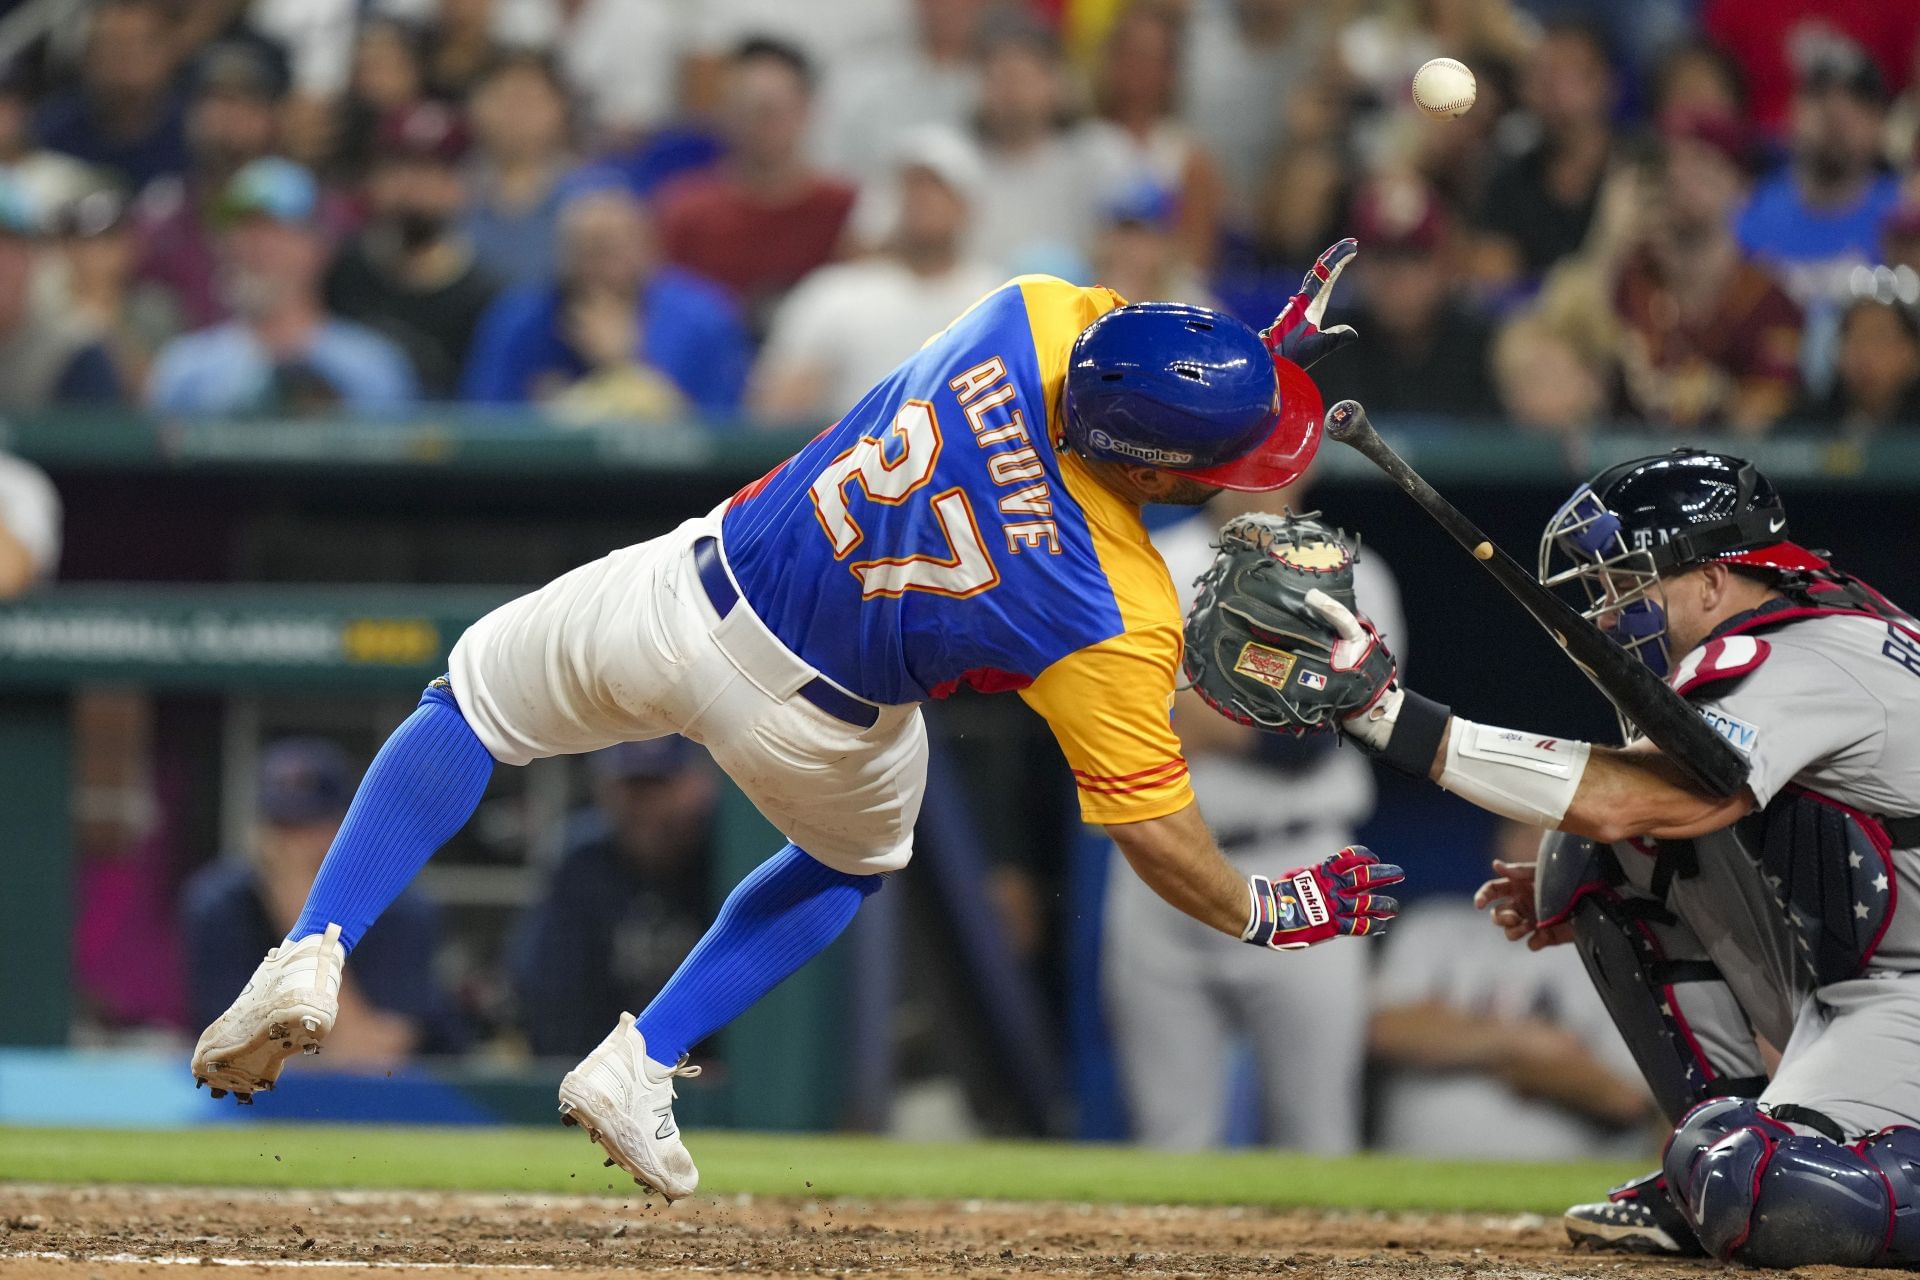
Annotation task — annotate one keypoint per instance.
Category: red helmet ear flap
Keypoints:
(1288, 450)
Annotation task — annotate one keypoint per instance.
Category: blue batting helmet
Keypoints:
(1185, 389)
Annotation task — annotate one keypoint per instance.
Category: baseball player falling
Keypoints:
(973, 521)
(1706, 923)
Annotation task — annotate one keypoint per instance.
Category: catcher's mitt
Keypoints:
(1257, 649)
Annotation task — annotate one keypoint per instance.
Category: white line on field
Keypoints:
(200, 1260)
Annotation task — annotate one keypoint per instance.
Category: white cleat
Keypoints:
(625, 1103)
(287, 1007)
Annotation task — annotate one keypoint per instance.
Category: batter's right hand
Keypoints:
(1508, 901)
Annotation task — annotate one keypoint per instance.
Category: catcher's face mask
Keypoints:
(1620, 589)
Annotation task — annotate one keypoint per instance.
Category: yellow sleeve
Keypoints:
(1110, 707)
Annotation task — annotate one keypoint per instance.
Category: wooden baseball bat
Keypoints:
(1644, 698)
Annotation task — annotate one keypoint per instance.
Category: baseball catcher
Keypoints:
(1707, 923)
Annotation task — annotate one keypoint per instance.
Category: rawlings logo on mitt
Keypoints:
(1258, 651)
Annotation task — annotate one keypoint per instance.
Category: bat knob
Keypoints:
(1344, 420)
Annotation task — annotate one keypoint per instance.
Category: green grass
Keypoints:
(561, 1161)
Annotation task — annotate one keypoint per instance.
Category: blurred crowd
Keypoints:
(1694, 215)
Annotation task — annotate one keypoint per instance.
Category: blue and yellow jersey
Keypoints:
(933, 539)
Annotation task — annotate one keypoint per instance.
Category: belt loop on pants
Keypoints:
(723, 596)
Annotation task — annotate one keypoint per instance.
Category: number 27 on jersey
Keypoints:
(914, 438)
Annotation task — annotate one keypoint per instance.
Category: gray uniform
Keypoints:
(1810, 917)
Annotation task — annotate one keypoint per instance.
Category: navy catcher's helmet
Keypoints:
(1651, 516)
(1190, 390)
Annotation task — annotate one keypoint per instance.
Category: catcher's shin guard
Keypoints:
(1668, 1001)
(1758, 1191)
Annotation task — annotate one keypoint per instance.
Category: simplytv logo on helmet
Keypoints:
(1143, 452)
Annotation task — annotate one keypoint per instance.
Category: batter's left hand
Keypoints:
(1330, 899)
(1296, 333)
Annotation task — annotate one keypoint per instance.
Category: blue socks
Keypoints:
(421, 788)
(774, 921)
(425, 784)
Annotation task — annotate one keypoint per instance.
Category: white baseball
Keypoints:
(1444, 88)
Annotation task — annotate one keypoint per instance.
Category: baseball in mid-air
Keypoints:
(1444, 88)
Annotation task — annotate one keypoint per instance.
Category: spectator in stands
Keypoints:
(30, 515)
(284, 352)
(1483, 1058)
(1138, 252)
(1698, 79)
(1424, 351)
(848, 324)
(1820, 215)
(391, 1007)
(627, 901)
(833, 35)
(231, 121)
(1877, 371)
(871, 105)
(132, 319)
(518, 111)
(1299, 213)
(621, 333)
(1548, 381)
(762, 217)
(1710, 339)
(1047, 179)
(1764, 36)
(49, 355)
(1245, 65)
(126, 114)
(1138, 93)
(1540, 202)
(462, 48)
(1176, 1002)
(387, 77)
(622, 60)
(411, 274)
(49, 178)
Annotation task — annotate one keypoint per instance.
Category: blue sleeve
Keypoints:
(715, 377)
(89, 378)
(498, 359)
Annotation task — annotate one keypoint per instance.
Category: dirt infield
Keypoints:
(112, 1232)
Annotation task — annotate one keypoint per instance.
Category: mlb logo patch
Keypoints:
(1268, 665)
(1313, 680)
